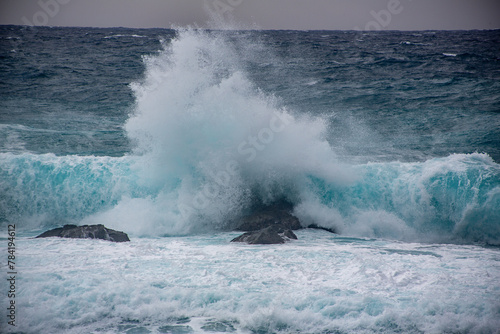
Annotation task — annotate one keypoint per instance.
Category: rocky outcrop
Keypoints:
(273, 234)
(264, 217)
(86, 232)
(271, 224)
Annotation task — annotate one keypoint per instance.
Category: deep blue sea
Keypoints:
(390, 138)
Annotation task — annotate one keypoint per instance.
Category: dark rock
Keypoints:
(331, 230)
(289, 234)
(261, 220)
(86, 232)
(268, 224)
(274, 234)
(262, 217)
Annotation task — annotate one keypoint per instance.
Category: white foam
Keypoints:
(120, 35)
(320, 283)
(199, 116)
(209, 144)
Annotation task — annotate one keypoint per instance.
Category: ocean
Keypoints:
(390, 138)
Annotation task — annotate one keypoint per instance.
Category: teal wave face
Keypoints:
(453, 199)
(444, 199)
(210, 139)
(47, 189)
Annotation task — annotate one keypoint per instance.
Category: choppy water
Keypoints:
(319, 284)
(391, 138)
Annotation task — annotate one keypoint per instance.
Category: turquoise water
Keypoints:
(390, 138)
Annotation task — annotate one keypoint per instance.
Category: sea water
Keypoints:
(390, 138)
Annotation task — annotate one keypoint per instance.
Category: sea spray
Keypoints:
(213, 145)
(451, 199)
(199, 116)
(209, 144)
(414, 108)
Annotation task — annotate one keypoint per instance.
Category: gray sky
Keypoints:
(264, 14)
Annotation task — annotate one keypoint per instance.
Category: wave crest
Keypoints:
(209, 145)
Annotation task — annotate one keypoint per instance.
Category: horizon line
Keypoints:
(244, 29)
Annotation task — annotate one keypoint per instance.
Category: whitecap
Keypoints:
(119, 35)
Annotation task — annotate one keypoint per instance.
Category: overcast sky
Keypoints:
(264, 14)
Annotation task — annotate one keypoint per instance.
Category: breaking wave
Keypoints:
(209, 145)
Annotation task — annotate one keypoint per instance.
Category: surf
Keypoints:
(209, 144)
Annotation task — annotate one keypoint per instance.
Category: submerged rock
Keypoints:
(274, 234)
(86, 232)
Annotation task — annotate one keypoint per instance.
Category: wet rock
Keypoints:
(289, 234)
(274, 234)
(270, 215)
(86, 232)
(331, 230)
